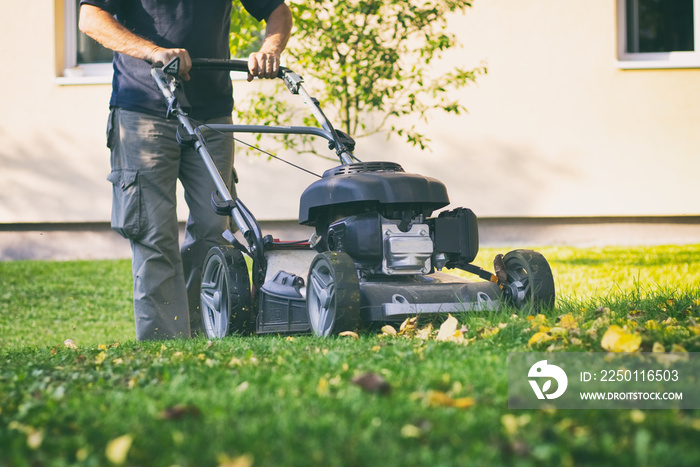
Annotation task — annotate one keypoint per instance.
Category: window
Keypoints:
(86, 61)
(658, 33)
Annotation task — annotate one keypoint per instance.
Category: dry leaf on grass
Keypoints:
(176, 412)
(349, 334)
(118, 449)
(70, 344)
(372, 382)
(616, 339)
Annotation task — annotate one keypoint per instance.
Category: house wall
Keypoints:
(554, 129)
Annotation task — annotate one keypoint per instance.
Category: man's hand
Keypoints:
(159, 54)
(263, 65)
(266, 62)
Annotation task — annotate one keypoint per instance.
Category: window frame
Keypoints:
(73, 72)
(632, 61)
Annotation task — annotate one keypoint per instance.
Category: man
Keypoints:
(146, 158)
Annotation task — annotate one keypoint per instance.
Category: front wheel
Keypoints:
(226, 302)
(333, 294)
(529, 280)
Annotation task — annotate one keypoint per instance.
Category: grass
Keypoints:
(291, 401)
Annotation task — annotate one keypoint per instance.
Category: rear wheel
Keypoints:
(225, 297)
(333, 294)
(529, 280)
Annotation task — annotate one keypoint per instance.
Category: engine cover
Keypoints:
(356, 188)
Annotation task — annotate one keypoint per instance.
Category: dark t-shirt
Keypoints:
(201, 27)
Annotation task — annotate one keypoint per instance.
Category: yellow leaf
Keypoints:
(568, 321)
(490, 332)
(464, 402)
(389, 330)
(102, 347)
(425, 332)
(100, 358)
(675, 348)
(408, 326)
(349, 334)
(322, 389)
(617, 339)
(246, 460)
(410, 431)
(652, 325)
(439, 398)
(658, 347)
(117, 361)
(118, 449)
(70, 344)
(539, 337)
(447, 329)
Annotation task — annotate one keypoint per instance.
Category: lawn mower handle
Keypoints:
(293, 82)
(234, 64)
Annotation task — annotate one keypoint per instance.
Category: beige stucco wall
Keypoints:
(554, 129)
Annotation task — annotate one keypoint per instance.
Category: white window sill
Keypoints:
(659, 61)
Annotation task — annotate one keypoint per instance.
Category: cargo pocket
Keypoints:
(127, 214)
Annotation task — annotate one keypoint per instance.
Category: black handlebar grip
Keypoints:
(220, 64)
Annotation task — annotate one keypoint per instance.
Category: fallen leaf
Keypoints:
(425, 332)
(568, 321)
(658, 347)
(490, 332)
(389, 330)
(100, 358)
(442, 399)
(349, 334)
(676, 348)
(322, 388)
(246, 460)
(70, 344)
(616, 339)
(372, 382)
(179, 411)
(408, 327)
(118, 449)
(448, 329)
(539, 337)
(410, 431)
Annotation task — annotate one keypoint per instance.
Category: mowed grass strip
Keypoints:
(293, 401)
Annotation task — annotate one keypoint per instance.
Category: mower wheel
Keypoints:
(225, 296)
(530, 281)
(333, 294)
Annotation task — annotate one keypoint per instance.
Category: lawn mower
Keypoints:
(376, 250)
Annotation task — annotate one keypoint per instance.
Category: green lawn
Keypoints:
(292, 401)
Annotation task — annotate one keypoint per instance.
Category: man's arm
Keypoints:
(266, 62)
(105, 29)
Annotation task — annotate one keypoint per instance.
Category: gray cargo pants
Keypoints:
(146, 163)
